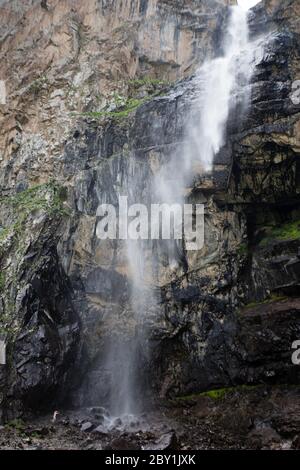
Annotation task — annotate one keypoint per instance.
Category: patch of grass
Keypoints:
(131, 105)
(48, 197)
(219, 393)
(16, 424)
(123, 106)
(269, 300)
(287, 231)
(121, 112)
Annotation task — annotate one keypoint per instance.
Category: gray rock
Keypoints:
(100, 430)
(123, 443)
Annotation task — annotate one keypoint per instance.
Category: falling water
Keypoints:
(222, 78)
(219, 85)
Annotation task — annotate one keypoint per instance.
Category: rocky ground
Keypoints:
(259, 417)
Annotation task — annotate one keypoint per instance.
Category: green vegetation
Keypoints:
(2, 281)
(122, 105)
(47, 197)
(269, 300)
(131, 105)
(223, 393)
(243, 249)
(121, 112)
(219, 393)
(37, 85)
(4, 232)
(139, 82)
(287, 231)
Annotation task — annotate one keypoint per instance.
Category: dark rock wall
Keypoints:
(39, 323)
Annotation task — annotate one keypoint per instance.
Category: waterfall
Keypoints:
(222, 78)
(220, 84)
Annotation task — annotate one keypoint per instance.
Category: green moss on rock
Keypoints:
(287, 231)
(121, 112)
(146, 81)
(272, 298)
(17, 424)
(219, 393)
(48, 197)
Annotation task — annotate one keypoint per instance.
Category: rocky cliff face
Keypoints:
(73, 57)
(98, 95)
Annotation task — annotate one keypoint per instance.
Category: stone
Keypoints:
(167, 441)
(41, 431)
(100, 430)
(296, 442)
(87, 426)
(264, 437)
(123, 443)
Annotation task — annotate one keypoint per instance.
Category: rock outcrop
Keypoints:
(99, 97)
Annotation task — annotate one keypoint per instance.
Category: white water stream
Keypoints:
(221, 83)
